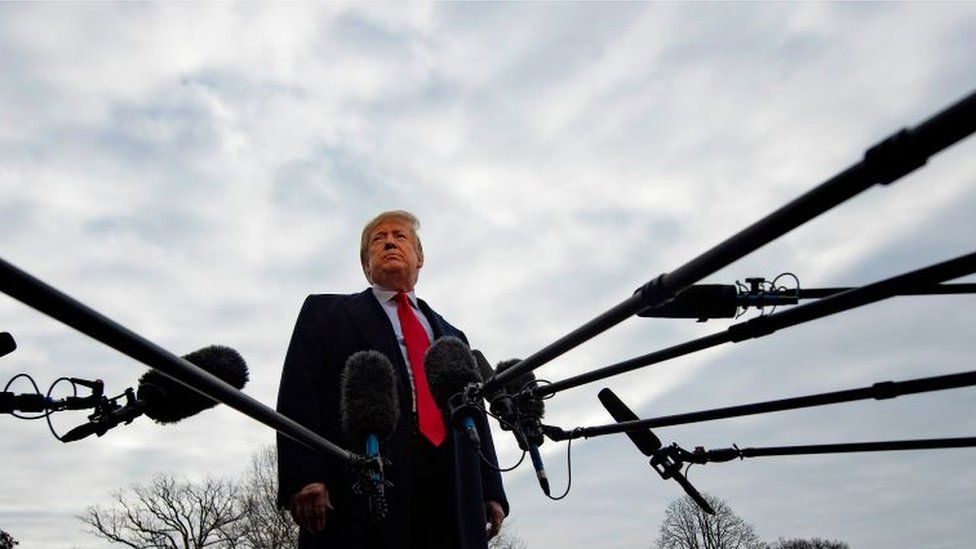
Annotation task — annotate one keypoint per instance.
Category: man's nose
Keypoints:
(390, 245)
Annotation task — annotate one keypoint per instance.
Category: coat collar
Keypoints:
(368, 316)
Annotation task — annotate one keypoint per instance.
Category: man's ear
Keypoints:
(420, 260)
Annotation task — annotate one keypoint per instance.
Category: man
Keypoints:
(444, 496)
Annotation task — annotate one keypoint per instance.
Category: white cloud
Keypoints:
(193, 170)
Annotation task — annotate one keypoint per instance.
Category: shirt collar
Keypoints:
(384, 294)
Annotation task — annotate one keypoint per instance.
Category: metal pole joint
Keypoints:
(654, 294)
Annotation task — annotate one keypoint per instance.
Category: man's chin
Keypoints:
(391, 278)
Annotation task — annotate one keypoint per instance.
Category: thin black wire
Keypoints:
(784, 288)
(37, 391)
(538, 382)
(495, 466)
(47, 416)
(569, 472)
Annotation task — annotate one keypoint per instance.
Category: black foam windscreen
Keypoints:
(7, 343)
(645, 440)
(368, 396)
(167, 401)
(450, 367)
(528, 407)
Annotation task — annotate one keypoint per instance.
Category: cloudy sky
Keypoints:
(194, 170)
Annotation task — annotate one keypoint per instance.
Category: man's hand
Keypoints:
(310, 506)
(495, 515)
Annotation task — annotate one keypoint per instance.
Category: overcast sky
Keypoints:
(194, 170)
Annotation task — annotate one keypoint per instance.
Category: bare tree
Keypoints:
(265, 526)
(171, 513)
(7, 541)
(506, 539)
(686, 526)
(812, 543)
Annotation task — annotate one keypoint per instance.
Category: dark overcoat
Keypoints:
(329, 329)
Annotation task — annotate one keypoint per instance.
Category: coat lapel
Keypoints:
(368, 316)
(436, 322)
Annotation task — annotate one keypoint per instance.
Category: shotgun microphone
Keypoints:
(666, 461)
(528, 418)
(645, 439)
(451, 370)
(369, 411)
(163, 399)
(705, 301)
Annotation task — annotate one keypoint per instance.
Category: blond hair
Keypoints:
(400, 215)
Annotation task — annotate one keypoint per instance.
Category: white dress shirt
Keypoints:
(386, 297)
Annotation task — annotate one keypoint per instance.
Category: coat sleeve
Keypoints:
(301, 398)
(491, 478)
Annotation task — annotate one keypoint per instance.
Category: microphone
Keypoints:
(666, 461)
(163, 399)
(501, 403)
(645, 439)
(522, 413)
(701, 301)
(451, 370)
(168, 401)
(7, 344)
(369, 410)
(705, 301)
(529, 411)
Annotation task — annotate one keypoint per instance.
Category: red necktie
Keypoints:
(429, 417)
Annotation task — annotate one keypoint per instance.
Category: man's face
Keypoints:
(393, 260)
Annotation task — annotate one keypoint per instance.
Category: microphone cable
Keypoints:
(46, 414)
(513, 428)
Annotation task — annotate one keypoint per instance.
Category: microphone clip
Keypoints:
(463, 407)
(668, 462)
(464, 404)
(372, 485)
(108, 414)
(95, 400)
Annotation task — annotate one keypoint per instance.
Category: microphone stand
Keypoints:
(879, 391)
(935, 289)
(900, 154)
(371, 483)
(708, 301)
(765, 325)
(721, 455)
